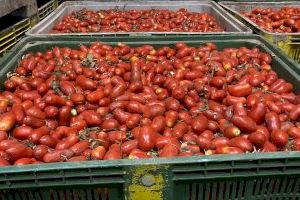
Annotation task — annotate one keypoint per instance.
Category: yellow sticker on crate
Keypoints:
(147, 182)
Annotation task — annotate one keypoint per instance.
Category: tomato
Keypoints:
(77, 159)
(77, 98)
(230, 100)
(117, 136)
(128, 146)
(54, 100)
(171, 118)
(113, 153)
(172, 104)
(58, 155)
(48, 140)
(38, 133)
(258, 139)
(179, 130)
(25, 161)
(7, 121)
(80, 147)
(207, 134)
(3, 136)
(272, 121)
(138, 154)
(18, 112)
(4, 162)
(203, 142)
(294, 132)
(269, 147)
(231, 132)
(170, 150)
(242, 143)
(34, 122)
(258, 111)
(85, 83)
(98, 153)
(178, 93)
(295, 113)
(39, 151)
(199, 124)
(68, 142)
(296, 144)
(91, 117)
(110, 124)
(244, 123)
(279, 138)
(146, 138)
(51, 111)
(95, 96)
(18, 151)
(228, 150)
(185, 153)
(219, 142)
(35, 112)
(239, 109)
(240, 90)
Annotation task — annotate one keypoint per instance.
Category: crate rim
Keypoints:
(226, 4)
(239, 26)
(151, 161)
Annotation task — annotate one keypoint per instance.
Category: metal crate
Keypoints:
(250, 176)
(48, 8)
(11, 35)
(282, 40)
(228, 22)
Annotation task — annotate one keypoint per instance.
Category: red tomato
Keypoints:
(3, 136)
(147, 138)
(17, 151)
(199, 124)
(25, 161)
(258, 139)
(296, 144)
(113, 153)
(98, 153)
(245, 123)
(170, 150)
(219, 142)
(128, 146)
(4, 162)
(80, 147)
(231, 132)
(7, 121)
(240, 90)
(58, 155)
(39, 151)
(279, 138)
(269, 147)
(294, 132)
(138, 154)
(242, 143)
(228, 150)
(203, 142)
(272, 121)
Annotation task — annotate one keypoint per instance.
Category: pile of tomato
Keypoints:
(284, 20)
(107, 102)
(87, 21)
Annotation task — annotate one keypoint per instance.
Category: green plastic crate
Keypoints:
(251, 176)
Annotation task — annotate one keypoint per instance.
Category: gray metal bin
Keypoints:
(227, 22)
